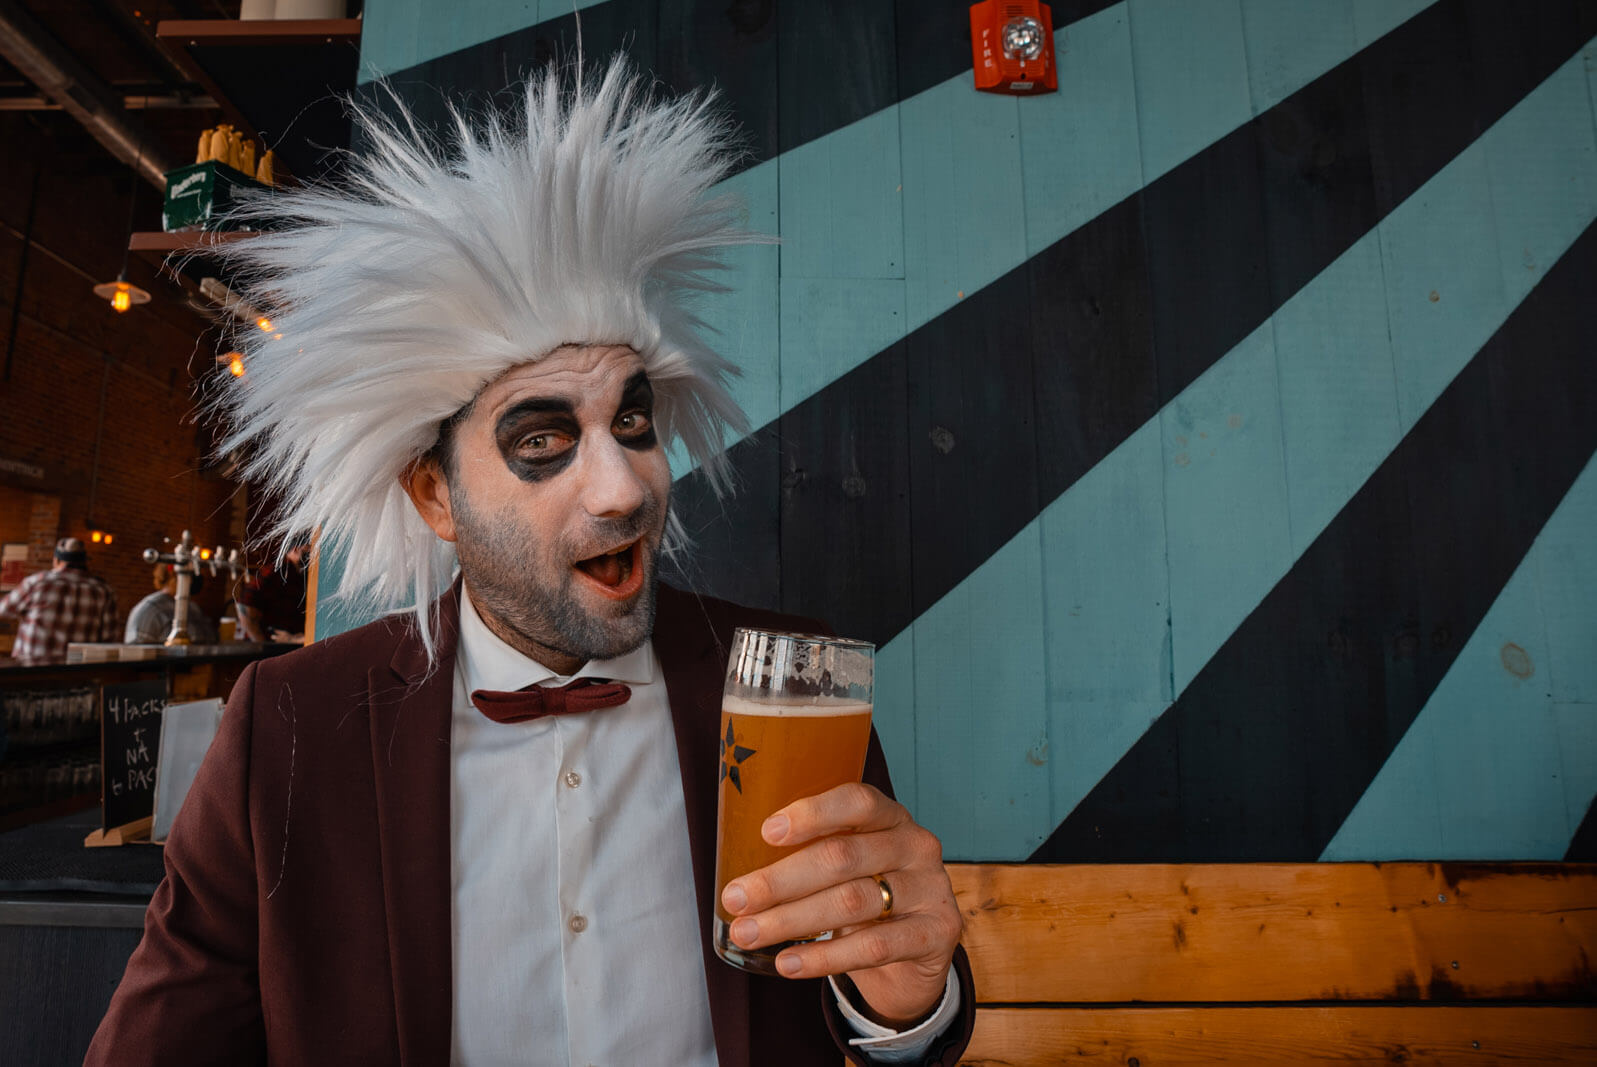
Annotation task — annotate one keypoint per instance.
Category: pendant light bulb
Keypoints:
(122, 294)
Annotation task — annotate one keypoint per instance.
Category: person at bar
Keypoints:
(150, 621)
(487, 349)
(59, 606)
(271, 602)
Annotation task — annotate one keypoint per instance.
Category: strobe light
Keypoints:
(1012, 42)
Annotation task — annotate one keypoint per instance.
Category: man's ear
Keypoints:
(425, 484)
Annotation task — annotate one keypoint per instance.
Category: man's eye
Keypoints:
(633, 423)
(541, 444)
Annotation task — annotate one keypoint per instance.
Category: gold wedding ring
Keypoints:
(887, 895)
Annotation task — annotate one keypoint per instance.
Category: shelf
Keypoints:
(21, 749)
(157, 248)
(279, 82)
(164, 243)
(195, 32)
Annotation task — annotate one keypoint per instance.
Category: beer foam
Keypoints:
(816, 708)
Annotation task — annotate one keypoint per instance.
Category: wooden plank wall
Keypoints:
(1276, 1036)
(1200, 443)
(1279, 963)
(1234, 933)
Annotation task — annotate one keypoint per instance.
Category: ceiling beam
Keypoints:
(141, 36)
(26, 46)
(129, 103)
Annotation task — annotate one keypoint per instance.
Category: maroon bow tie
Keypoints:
(536, 701)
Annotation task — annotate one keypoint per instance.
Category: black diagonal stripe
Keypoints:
(1017, 391)
(1583, 846)
(1266, 752)
(790, 72)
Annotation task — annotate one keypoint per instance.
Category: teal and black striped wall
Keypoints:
(1208, 445)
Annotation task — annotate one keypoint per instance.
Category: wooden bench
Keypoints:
(1152, 964)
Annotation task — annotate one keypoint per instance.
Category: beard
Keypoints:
(531, 588)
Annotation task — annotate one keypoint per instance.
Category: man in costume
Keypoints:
(405, 846)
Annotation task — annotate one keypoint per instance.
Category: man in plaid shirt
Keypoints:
(65, 603)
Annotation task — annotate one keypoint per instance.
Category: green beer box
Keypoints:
(201, 193)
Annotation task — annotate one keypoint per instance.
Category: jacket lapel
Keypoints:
(411, 703)
(694, 659)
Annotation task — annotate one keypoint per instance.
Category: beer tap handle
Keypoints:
(187, 566)
(185, 557)
(188, 562)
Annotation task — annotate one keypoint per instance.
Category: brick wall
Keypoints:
(16, 508)
(103, 403)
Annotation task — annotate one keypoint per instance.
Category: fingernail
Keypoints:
(734, 898)
(775, 829)
(788, 964)
(744, 931)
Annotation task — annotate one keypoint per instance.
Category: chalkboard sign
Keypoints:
(130, 740)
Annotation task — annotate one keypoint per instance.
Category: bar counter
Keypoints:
(49, 718)
(18, 671)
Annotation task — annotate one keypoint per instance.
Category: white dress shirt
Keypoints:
(575, 925)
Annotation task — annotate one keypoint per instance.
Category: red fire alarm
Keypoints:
(1013, 46)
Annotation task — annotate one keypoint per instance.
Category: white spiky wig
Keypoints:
(433, 268)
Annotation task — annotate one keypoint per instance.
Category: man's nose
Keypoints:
(611, 488)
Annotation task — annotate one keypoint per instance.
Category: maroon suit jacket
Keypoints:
(305, 913)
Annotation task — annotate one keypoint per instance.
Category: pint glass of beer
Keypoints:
(795, 721)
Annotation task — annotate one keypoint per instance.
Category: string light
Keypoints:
(264, 323)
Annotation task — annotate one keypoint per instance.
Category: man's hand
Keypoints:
(899, 963)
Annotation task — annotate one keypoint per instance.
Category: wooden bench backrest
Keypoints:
(1282, 963)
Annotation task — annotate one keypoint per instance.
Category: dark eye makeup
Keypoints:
(634, 425)
(538, 437)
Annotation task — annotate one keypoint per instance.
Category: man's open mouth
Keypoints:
(617, 574)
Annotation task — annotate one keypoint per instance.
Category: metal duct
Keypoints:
(26, 46)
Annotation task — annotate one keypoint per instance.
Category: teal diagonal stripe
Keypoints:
(396, 34)
(1502, 761)
(1126, 585)
(890, 221)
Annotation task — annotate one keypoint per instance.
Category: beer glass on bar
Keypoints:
(795, 721)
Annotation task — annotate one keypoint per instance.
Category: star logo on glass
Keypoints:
(732, 754)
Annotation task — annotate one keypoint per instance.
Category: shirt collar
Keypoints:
(487, 662)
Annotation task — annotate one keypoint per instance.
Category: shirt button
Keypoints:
(578, 924)
(573, 779)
